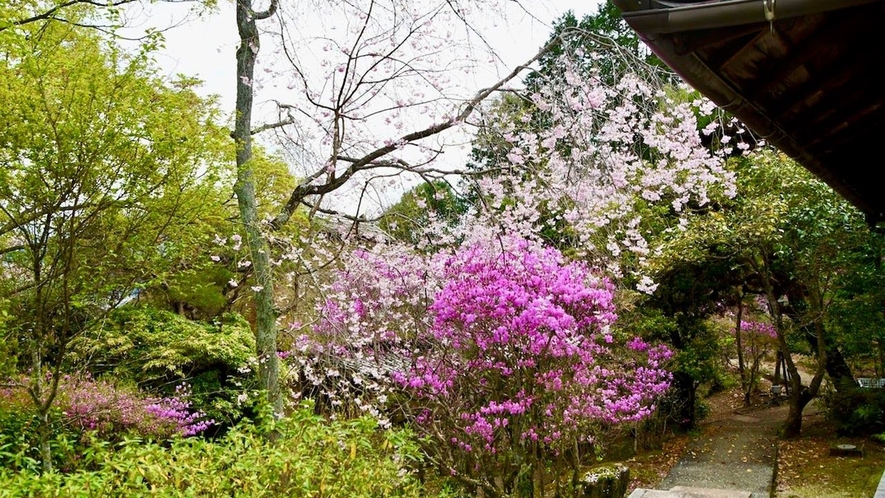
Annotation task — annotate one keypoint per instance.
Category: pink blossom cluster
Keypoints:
(525, 350)
(604, 150)
(95, 405)
(374, 313)
(98, 405)
(760, 328)
(177, 411)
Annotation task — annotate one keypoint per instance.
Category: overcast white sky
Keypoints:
(204, 46)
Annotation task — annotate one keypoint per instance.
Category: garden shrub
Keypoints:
(159, 350)
(86, 410)
(856, 411)
(310, 458)
(502, 353)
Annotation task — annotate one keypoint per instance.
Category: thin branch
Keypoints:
(12, 249)
(271, 126)
(271, 10)
(305, 188)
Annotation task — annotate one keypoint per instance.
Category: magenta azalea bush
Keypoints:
(527, 369)
(762, 329)
(758, 339)
(505, 357)
(90, 405)
(98, 405)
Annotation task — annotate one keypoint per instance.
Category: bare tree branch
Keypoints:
(307, 188)
(271, 10)
(12, 249)
(271, 126)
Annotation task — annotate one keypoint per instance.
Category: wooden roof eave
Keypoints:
(656, 26)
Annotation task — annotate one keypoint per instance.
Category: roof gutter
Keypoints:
(647, 19)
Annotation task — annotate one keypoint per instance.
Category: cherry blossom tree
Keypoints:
(602, 153)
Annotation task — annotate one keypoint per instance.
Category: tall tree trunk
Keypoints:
(266, 315)
(800, 395)
(799, 398)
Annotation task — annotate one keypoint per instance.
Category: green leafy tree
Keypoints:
(687, 294)
(103, 167)
(857, 313)
(783, 237)
(208, 273)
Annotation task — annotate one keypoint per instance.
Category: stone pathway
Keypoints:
(738, 453)
(735, 457)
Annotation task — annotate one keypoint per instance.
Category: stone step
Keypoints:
(687, 492)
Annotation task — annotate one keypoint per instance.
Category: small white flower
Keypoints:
(232, 283)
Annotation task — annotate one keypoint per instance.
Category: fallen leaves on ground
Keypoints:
(807, 470)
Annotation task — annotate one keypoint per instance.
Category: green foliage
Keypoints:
(201, 287)
(159, 350)
(856, 316)
(856, 411)
(206, 272)
(86, 411)
(310, 457)
(105, 167)
(19, 425)
(8, 344)
(687, 294)
(787, 237)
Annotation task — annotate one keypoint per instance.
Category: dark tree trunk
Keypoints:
(746, 377)
(836, 366)
(686, 392)
(793, 424)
